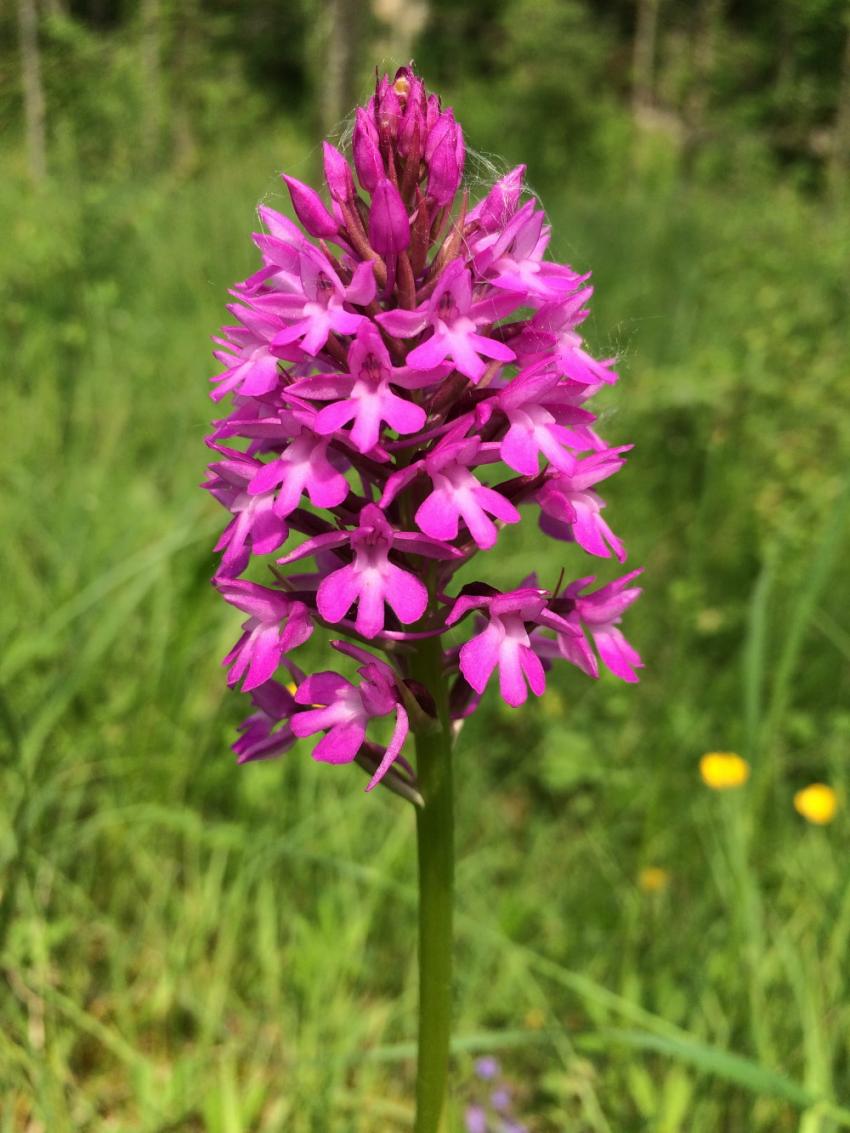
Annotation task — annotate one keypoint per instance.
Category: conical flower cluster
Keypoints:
(407, 375)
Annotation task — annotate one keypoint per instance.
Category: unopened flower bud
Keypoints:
(310, 209)
(367, 156)
(389, 228)
(444, 152)
(337, 174)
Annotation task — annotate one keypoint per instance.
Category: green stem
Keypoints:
(435, 840)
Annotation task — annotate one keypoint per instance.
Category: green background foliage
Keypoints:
(190, 946)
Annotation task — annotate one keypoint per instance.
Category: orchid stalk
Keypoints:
(408, 376)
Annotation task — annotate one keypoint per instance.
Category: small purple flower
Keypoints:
(487, 1068)
(475, 1119)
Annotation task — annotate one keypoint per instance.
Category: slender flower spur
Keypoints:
(407, 375)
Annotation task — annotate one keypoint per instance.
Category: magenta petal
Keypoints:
(478, 657)
(341, 744)
(617, 654)
(337, 593)
(519, 450)
(406, 595)
(491, 348)
(266, 654)
(511, 681)
(429, 354)
(402, 324)
(333, 417)
(533, 670)
(362, 288)
(437, 516)
(370, 603)
(394, 747)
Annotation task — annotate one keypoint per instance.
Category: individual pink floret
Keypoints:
(600, 613)
(371, 579)
(303, 466)
(277, 624)
(364, 395)
(571, 510)
(504, 643)
(454, 317)
(458, 494)
(343, 710)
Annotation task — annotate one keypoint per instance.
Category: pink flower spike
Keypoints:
(387, 348)
(277, 624)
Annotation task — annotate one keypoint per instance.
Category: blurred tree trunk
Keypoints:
(338, 65)
(186, 16)
(401, 22)
(706, 34)
(150, 15)
(643, 57)
(34, 107)
(839, 166)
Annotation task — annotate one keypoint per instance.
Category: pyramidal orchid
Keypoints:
(407, 376)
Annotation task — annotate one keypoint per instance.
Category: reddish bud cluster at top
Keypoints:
(404, 383)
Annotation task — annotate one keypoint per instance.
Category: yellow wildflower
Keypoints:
(722, 770)
(653, 879)
(817, 803)
(535, 1020)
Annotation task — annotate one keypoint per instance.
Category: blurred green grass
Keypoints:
(191, 946)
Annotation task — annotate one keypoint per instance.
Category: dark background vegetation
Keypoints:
(191, 946)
